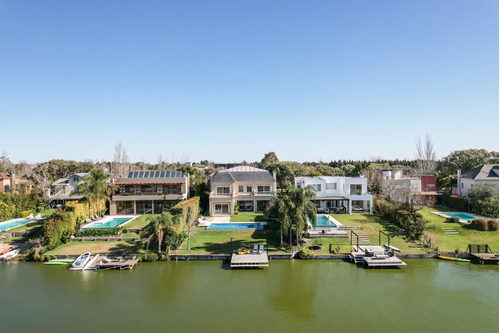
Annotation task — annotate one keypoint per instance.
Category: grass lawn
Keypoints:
(139, 222)
(465, 237)
(102, 247)
(219, 241)
(248, 217)
(371, 225)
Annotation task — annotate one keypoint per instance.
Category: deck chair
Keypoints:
(38, 217)
(256, 248)
(261, 248)
(30, 216)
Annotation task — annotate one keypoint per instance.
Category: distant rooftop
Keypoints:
(154, 174)
(483, 172)
(243, 173)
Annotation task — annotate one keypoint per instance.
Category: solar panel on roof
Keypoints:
(130, 174)
(136, 174)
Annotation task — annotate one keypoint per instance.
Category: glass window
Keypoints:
(263, 189)
(147, 189)
(262, 205)
(120, 207)
(240, 188)
(158, 207)
(222, 209)
(130, 189)
(331, 186)
(223, 190)
(148, 207)
(249, 188)
(129, 207)
(356, 189)
(139, 207)
(245, 206)
(317, 187)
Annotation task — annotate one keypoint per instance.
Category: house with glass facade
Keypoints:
(248, 187)
(339, 194)
(148, 192)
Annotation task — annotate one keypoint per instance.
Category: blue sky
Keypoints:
(232, 80)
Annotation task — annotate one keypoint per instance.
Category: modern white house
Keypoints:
(339, 194)
(405, 185)
(64, 189)
(484, 174)
(248, 187)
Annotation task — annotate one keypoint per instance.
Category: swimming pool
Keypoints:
(461, 216)
(109, 224)
(323, 221)
(14, 223)
(235, 226)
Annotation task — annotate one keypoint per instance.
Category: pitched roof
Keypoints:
(152, 177)
(242, 174)
(4, 175)
(483, 172)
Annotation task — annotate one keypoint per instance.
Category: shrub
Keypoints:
(236, 209)
(492, 224)
(148, 257)
(478, 224)
(305, 254)
(453, 219)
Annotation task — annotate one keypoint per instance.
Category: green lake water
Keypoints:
(290, 296)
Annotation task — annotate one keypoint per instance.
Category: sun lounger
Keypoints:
(261, 248)
(30, 216)
(38, 217)
(255, 248)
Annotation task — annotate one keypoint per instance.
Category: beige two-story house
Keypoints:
(248, 187)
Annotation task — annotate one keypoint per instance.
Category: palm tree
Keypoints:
(86, 188)
(160, 226)
(293, 209)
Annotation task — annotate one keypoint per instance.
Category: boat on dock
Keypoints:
(80, 262)
(9, 255)
(90, 263)
(453, 259)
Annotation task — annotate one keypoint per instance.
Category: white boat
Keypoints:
(80, 262)
(9, 255)
(90, 263)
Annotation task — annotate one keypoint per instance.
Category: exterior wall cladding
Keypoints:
(428, 183)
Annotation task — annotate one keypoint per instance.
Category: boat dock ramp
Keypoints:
(375, 256)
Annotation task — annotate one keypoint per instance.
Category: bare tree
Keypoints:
(121, 164)
(425, 156)
(42, 180)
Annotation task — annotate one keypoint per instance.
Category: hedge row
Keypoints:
(180, 210)
(66, 221)
(482, 225)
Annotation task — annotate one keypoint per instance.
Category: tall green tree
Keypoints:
(269, 158)
(292, 210)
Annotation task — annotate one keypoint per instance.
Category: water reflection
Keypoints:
(295, 291)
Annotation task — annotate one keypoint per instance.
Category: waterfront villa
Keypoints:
(64, 189)
(484, 174)
(339, 194)
(248, 187)
(148, 192)
(404, 185)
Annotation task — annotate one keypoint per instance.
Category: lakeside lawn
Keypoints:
(248, 217)
(219, 241)
(101, 247)
(139, 222)
(465, 237)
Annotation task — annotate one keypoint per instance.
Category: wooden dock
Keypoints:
(374, 256)
(485, 258)
(250, 260)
